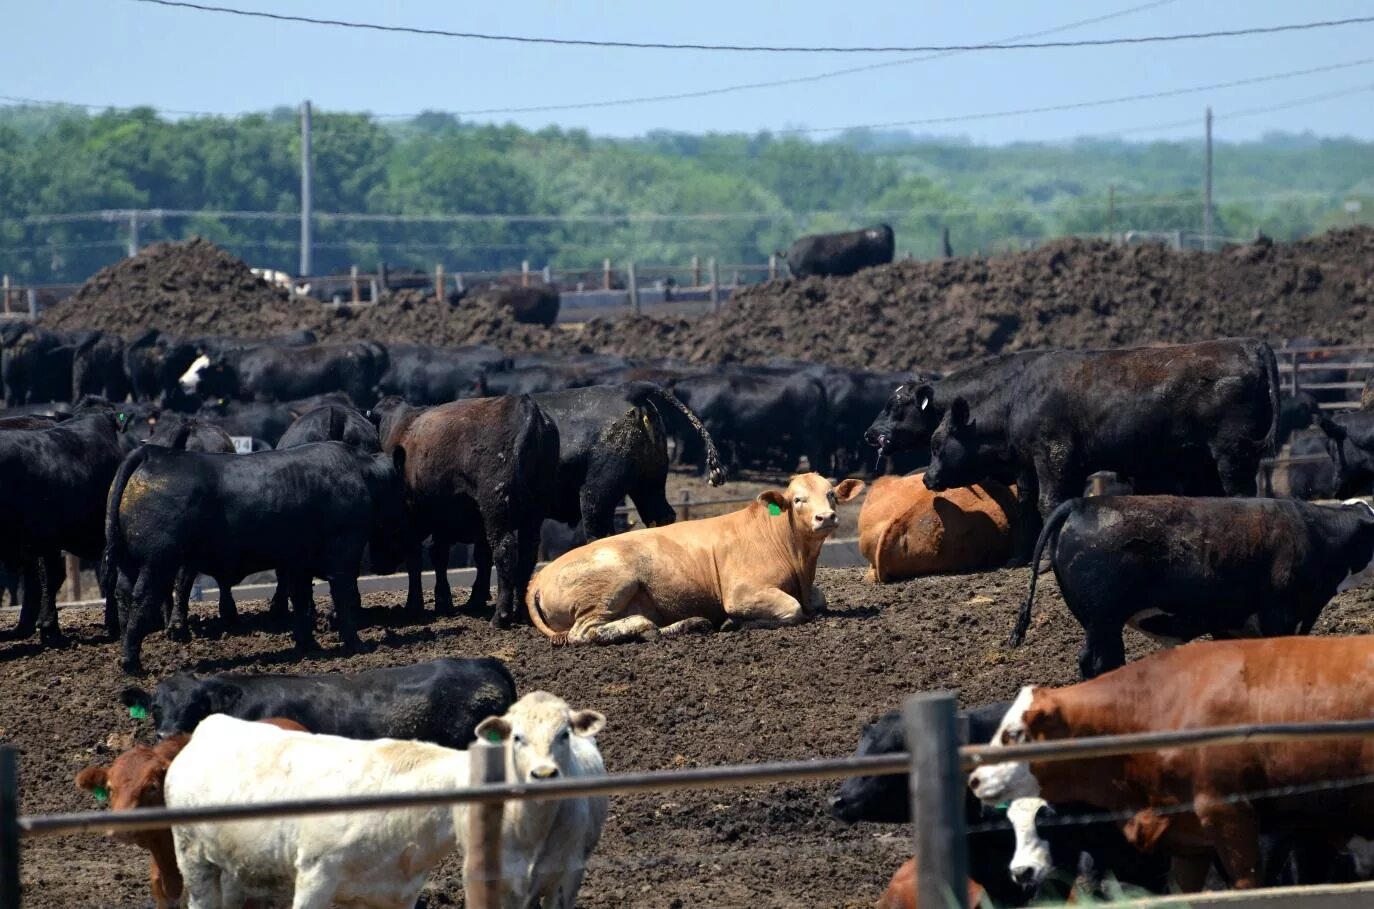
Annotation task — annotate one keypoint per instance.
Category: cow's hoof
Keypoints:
(357, 646)
(16, 634)
(52, 637)
(475, 604)
(132, 666)
(696, 625)
(729, 625)
(443, 605)
(307, 644)
(179, 633)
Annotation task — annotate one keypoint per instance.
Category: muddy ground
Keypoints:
(750, 696)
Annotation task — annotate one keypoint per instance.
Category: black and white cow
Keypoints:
(1177, 568)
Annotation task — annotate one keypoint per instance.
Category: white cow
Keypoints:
(378, 860)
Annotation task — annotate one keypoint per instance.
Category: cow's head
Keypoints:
(875, 798)
(134, 780)
(809, 502)
(1032, 861)
(1031, 717)
(539, 729)
(906, 420)
(955, 453)
(1360, 546)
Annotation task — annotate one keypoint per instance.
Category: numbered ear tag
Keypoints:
(773, 509)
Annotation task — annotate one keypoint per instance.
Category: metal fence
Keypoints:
(936, 767)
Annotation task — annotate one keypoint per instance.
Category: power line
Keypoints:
(1192, 122)
(764, 48)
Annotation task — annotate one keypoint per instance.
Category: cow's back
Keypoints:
(907, 530)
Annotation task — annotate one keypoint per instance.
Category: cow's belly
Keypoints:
(1162, 628)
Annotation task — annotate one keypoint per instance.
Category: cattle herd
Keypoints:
(165, 458)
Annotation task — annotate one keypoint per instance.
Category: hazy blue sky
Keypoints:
(125, 53)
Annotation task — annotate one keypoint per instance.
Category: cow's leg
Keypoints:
(119, 588)
(29, 605)
(316, 883)
(1103, 650)
(279, 608)
(1027, 497)
(621, 631)
(232, 893)
(202, 885)
(597, 506)
(481, 582)
(228, 610)
(766, 607)
(1234, 833)
(697, 624)
(415, 592)
(443, 593)
(50, 577)
(151, 588)
(348, 604)
(176, 618)
(527, 543)
(302, 615)
(505, 558)
(653, 506)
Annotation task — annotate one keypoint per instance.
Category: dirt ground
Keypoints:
(743, 697)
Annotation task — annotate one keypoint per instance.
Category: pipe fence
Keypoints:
(936, 767)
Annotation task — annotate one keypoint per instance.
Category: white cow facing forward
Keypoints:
(378, 859)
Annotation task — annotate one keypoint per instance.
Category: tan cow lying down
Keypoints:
(906, 530)
(754, 568)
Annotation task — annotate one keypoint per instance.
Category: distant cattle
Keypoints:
(1351, 447)
(536, 304)
(1306, 470)
(440, 701)
(435, 375)
(761, 418)
(98, 368)
(906, 530)
(841, 254)
(36, 364)
(135, 780)
(332, 423)
(316, 861)
(752, 568)
(1200, 805)
(1191, 419)
(483, 472)
(1178, 568)
(271, 373)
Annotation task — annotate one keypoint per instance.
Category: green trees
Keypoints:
(565, 198)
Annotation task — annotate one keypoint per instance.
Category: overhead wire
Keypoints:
(765, 48)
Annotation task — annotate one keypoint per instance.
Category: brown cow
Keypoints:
(901, 890)
(1223, 683)
(134, 780)
(907, 530)
(754, 567)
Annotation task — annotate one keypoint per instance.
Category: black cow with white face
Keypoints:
(1191, 419)
(1177, 568)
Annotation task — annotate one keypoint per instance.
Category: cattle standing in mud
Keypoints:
(753, 568)
(481, 472)
(1191, 419)
(1178, 568)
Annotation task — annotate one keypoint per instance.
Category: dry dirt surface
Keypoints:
(744, 697)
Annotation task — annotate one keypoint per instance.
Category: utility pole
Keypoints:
(133, 234)
(307, 173)
(1207, 191)
(1111, 211)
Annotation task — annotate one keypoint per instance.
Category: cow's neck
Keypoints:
(799, 551)
(159, 844)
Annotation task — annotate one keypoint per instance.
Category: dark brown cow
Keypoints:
(1194, 803)
(134, 780)
(479, 471)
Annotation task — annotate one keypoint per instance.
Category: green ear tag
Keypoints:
(138, 712)
(493, 736)
(1001, 806)
(773, 509)
(101, 794)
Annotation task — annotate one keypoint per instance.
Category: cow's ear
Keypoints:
(493, 729)
(587, 722)
(1043, 719)
(959, 414)
(136, 697)
(774, 498)
(925, 396)
(93, 778)
(847, 490)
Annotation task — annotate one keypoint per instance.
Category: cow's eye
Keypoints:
(797, 500)
(518, 739)
(563, 736)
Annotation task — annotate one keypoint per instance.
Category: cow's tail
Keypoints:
(1336, 435)
(1271, 371)
(538, 617)
(336, 423)
(715, 473)
(878, 551)
(1051, 530)
(109, 563)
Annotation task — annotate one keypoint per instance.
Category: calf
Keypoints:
(305, 512)
(1192, 419)
(440, 701)
(135, 780)
(992, 846)
(317, 861)
(1177, 568)
(482, 472)
(753, 567)
(612, 443)
(906, 530)
(1193, 803)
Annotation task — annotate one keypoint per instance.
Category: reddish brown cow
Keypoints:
(134, 780)
(1223, 683)
(901, 890)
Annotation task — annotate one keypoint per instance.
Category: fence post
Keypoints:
(9, 827)
(439, 283)
(353, 284)
(686, 505)
(1178, 240)
(1293, 361)
(937, 800)
(605, 274)
(632, 282)
(772, 268)
(482, 883)
(74, 575)
(376, 290)
(715, 283)
(5, 284)
(458, 282)
(696, 271)
(548, 275)
(33, 303)
(524, 272)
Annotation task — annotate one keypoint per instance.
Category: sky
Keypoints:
(127, 53)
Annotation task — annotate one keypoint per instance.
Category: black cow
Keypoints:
(613, 443)
(1351, 445)
(481, 471)
(841, 254)
(440, 701)
(332, 423)
(306, 512)
(1177, 568)
(98, 368)
(154, 362)
(761, 418)
(277, 373)
(1193, 419)
(1296, 413)
(436, 375)
(36, 364)
(1306, 471)
(887, 799)
(528, 380)
(536, 304)
(267, 422)
(53, 484)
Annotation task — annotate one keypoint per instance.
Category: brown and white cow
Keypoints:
(906, 530)
(1193, 803)
(135, 780)
(754, 567)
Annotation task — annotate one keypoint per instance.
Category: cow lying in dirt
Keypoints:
(906, 530)
(751, 568)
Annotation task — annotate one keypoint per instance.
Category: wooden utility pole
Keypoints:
(1207, 191)
(937, 800)
(307, 177)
